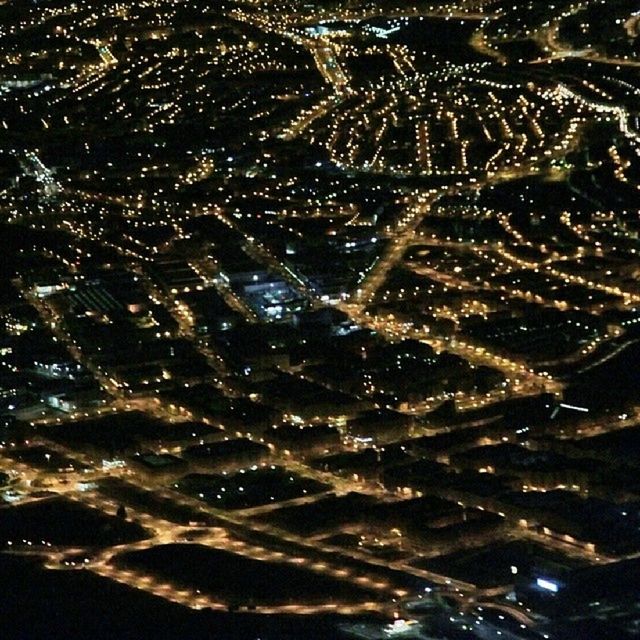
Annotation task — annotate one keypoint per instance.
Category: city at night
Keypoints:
(320, 319)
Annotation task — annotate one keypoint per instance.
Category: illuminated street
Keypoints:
(320, 319)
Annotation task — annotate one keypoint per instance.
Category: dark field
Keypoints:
(52, 605)
(63, 522)
(240, 580)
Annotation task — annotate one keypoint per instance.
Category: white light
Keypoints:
(548, 585)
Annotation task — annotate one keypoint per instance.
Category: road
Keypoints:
(549, 40)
